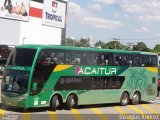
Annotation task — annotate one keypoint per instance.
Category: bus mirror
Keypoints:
(34, 87)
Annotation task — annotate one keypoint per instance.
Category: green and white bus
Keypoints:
(51, 76)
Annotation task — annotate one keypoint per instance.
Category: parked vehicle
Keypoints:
(4, 53)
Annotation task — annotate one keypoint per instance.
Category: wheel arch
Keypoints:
(56, 94)
(75, 94)
(124, 92)
(137, 91)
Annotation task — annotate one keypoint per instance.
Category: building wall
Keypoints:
(14, 32)
(9, 31)
(36, 33)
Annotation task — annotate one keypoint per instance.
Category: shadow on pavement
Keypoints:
(44, 109)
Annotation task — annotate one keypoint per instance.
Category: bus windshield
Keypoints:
(22, 57)
(15, 81)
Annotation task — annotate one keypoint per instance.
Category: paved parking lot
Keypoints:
(143, 111)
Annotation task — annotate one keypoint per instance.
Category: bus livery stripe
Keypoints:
(62, 67)
(152, 69)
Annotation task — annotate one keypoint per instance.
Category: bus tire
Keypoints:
(54, 103)
(135, 99)
(25, 110)
(71, 102)
(124, 100)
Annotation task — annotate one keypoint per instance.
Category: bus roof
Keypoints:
(33, 46)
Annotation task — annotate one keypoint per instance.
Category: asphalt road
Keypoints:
(144, 111)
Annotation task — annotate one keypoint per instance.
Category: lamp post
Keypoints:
(23, 40)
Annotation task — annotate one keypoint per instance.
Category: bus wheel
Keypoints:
(124, 99)
(54, 103)
(70, 102)
(136, 98)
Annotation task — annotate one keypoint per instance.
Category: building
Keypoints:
(32, 22)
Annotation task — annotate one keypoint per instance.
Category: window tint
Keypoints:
(76, 58)
(22, 57)
(44, 67)
(105, 59)
(53, 56)
(89, 58)
(135, 60)
(89, 83)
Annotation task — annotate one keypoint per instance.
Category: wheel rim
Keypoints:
(57, 103)
(135, 98)
(124, 99)
(72, 102)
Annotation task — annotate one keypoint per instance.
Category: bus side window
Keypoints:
(91, 59)
(137, 61)
(76, 61)
(143, 61)
(117, 60)
(154, 61)
(60, 84)
(104, 59)
(76, 58)
(98, 83)
(61, 57)
(129, 60)
(42, 57)
(67, 58)
(54, 57)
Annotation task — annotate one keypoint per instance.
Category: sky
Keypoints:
(129, 21)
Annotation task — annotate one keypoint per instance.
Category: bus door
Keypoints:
(43, 70)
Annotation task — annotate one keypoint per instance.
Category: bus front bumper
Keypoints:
(19, 101)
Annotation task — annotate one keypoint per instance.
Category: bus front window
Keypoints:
(15, 81)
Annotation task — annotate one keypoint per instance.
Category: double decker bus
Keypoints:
(51, 76)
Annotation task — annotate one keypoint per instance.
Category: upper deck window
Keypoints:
(22, 57)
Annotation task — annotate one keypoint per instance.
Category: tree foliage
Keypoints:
(82, 43)
(141, 46)
(114, 45)
(68, 42)
(157, 47)
(100, 44)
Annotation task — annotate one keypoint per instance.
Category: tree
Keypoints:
(114, 45)
(68, 42)
(100, 44)
(141, 46)
(82, 43)
(157, 48)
